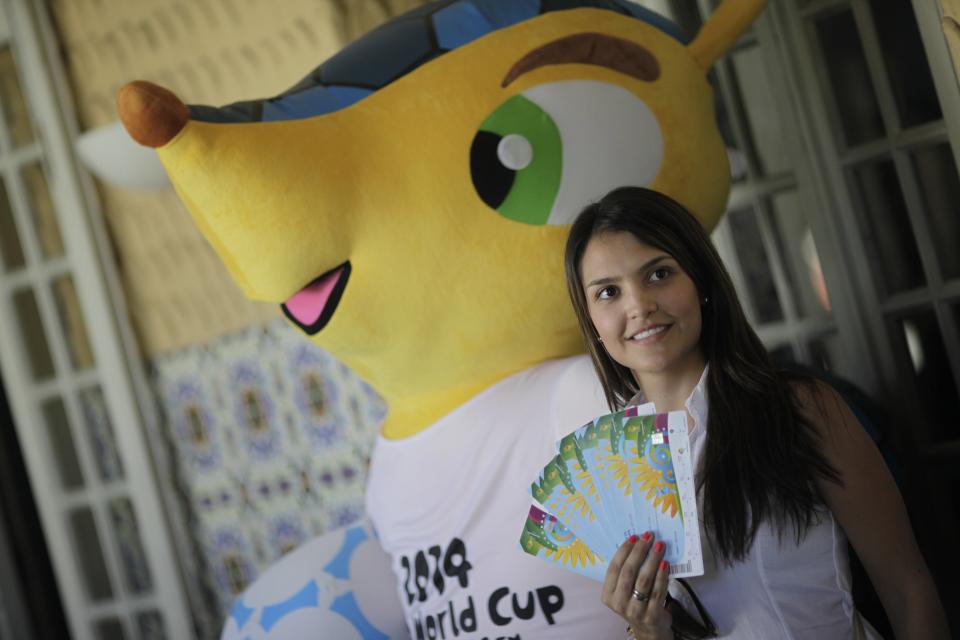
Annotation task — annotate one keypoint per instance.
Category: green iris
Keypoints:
(525, 195)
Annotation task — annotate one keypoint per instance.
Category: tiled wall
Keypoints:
(272, 438)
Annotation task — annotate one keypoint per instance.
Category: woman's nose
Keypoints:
(641, 304)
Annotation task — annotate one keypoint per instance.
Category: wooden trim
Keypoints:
(950, 10)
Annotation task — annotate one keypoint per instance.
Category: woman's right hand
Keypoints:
(635, 587)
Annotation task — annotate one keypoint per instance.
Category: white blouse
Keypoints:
(780, 589)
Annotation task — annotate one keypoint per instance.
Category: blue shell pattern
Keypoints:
(401, 45)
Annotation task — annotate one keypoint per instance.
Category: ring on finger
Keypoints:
(639, 595)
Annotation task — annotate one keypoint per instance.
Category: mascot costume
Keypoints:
(407, 204)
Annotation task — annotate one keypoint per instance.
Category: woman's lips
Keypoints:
(650, 335)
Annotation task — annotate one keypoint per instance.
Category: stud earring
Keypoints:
(706, 299)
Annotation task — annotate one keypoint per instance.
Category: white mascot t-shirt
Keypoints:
(449, 505)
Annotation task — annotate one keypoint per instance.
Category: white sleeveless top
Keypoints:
(781, 589)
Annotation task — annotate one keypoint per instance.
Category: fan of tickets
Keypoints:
(622, 474)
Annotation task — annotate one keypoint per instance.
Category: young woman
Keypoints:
(785, 474)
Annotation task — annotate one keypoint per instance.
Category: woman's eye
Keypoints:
(606, 293)
(659, 274)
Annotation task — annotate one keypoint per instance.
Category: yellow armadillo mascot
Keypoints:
(407, 204)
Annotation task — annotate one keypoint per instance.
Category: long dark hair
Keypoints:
(762, 456)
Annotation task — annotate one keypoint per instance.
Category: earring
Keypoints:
(706, 299)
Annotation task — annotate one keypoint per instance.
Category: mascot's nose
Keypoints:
(152, 115)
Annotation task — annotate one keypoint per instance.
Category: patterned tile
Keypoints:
(272, 437)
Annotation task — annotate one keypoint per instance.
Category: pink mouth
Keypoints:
(312, 307)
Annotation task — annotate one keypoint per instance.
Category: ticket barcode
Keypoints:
(681, 567)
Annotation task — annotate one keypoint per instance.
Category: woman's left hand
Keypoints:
(635, 587)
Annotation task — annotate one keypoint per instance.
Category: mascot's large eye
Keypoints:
(515, 161)
(541, 156)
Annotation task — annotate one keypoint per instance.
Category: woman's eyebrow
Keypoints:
(596, 49)
(654, 261)
(607, 280)
(646, 265)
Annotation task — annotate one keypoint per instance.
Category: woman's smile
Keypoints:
(650, 334)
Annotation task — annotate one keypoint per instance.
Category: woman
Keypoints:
(784, 472)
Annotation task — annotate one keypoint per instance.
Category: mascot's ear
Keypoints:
(723, 28)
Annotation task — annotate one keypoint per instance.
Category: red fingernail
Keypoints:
(632, 539)
(658, 547)
(664, 566)
(647, 535)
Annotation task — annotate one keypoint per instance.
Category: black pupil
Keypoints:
(491, 179)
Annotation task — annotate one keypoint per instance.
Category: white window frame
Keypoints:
(116, 369)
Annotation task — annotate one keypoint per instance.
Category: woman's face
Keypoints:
(644, 307)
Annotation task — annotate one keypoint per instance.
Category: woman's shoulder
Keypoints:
(820, 404)
(842, 438)
(808, 390)
(811, 385)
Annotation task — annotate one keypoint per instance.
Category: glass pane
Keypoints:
(761, 110)
(100, 431)
(15, 112)
(826, 352)
(61, 441)
(89, 553)
(846, 67)
(150, 626)
(935, 383)
(11, 252)
(685, 13)
(71, 321)
(940, 189)
(886, 228)
(906, 62)
(135, 569)
(31, 330)
(752, 256)
(44, 215)
(110, 629)
(800, 257)
(738, 164)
